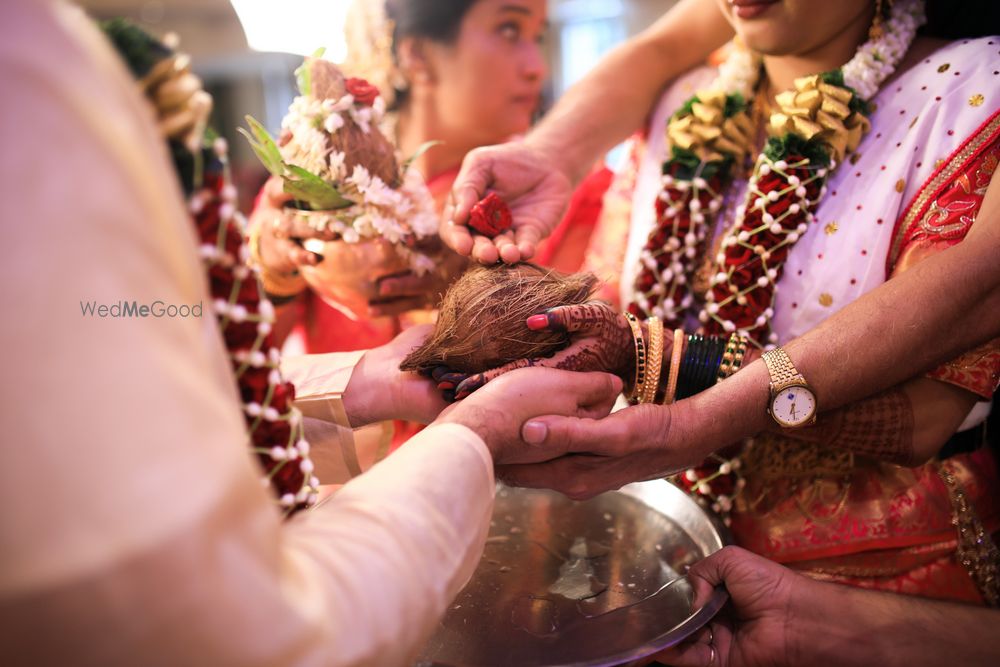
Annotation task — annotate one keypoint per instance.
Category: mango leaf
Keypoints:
(310, 188)
(264, 146)
(423, 148)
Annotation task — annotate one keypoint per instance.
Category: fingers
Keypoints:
(484, 250)
(470, 186)
(577, 476)
(586, 318)
(457, 237)
(690, 654)
(174, 92)
(565, 434)
(474, 382)
(580, 357)
(274, 193)
(509, 252)
(294, 226)
(527, 237)
(299, 256)
(732, 566)
(618, 434)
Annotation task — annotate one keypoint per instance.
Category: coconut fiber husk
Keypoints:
(481, 320)
(369, 149)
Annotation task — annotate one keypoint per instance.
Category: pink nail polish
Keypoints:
(538, 322)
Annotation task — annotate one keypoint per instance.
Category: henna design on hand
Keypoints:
(602, 341)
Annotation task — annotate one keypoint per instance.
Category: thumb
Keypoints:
(714, 570)
(572, 434)
(470, 186)
(274, 191)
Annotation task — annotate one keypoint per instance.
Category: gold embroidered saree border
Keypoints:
(953, 165)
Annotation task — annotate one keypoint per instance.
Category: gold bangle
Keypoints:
(655, 358)
(640, 356)
(725, 366)
(732, 360)
(741, 353)
(675, 366)
(274, 283)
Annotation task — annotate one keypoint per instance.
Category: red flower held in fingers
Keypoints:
(490, 216)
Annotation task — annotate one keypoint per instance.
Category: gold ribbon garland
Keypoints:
(819, 110)
(181, 103)
(708, 133)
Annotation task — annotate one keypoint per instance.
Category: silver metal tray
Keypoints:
(593, 583)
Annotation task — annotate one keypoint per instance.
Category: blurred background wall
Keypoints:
(246, 57)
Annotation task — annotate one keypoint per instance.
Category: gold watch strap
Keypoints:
(780, 368)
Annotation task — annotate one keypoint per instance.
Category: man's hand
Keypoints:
(754, 628)
(531, 184)
(379, 391)
(631, 445)
(498, 412)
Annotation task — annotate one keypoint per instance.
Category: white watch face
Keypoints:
(793, 406)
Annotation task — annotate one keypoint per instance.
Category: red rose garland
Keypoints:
(783, 195)
(245, 318)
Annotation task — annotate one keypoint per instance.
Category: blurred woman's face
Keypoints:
(794, 27)
(488, 82)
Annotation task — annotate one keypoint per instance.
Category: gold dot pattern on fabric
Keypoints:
(831, 229)
(976, 100)
(825, 300)
(944, 68)
(900, 185)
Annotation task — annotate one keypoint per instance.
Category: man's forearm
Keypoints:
(616, 97)
(838, 625)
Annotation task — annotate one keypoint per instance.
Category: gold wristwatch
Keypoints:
(793, 402)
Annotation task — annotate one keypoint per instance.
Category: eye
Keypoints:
(510, 31)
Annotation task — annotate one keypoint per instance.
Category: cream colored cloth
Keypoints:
(338, 453)
(134, 526)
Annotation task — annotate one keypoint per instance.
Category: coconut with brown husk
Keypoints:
(481, 320)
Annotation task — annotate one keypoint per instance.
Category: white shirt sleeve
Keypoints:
(134, 526)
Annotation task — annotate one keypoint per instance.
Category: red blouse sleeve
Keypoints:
(940, 218)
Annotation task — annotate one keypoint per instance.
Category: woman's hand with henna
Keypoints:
(601, 341)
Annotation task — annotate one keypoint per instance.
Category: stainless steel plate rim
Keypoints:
(702, 535)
